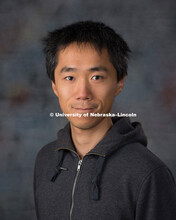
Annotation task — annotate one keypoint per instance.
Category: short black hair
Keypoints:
(96, 33)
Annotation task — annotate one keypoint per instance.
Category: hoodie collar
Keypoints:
(121, 133)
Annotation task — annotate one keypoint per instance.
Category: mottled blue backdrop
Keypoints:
(26, 98)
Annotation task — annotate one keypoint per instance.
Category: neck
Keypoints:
(85, 140)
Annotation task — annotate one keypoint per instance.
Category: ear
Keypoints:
(119, 86)
(54, 88)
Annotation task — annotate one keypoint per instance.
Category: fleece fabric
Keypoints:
(119, 179)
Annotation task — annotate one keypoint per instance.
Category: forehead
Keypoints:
(84, 57)
(75, 49)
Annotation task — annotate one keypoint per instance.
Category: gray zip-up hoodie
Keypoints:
(119, 179)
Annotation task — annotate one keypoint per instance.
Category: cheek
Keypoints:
(106, 94)
(64, 96)
(108, 100)
(105, 97)
(63, 93)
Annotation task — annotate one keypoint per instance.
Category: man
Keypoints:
(99, 167)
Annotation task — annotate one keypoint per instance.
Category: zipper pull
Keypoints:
(79, 165)
(63, 168)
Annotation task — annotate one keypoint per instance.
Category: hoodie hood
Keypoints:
(121, 133)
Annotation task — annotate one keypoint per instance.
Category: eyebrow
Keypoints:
(68, 69)
(98, 69)
(92, 69)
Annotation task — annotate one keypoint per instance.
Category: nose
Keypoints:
(83, 90)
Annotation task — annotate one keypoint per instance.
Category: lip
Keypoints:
(84, 109)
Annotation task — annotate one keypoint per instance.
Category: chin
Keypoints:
(85, 123)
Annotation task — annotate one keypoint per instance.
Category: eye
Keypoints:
(69, 78)
(97, 77)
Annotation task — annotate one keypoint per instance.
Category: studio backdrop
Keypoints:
(26, 98)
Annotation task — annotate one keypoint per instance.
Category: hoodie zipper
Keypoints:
(76, 177)
(74, 185)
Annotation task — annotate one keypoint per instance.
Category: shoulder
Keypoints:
(46, 153)
(141, 157)
(136, 162)
(138, 166)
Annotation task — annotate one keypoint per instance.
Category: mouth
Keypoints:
(84, 109)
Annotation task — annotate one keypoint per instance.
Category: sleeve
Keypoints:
(157, 196)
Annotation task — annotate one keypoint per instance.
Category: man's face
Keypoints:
(85, 82)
